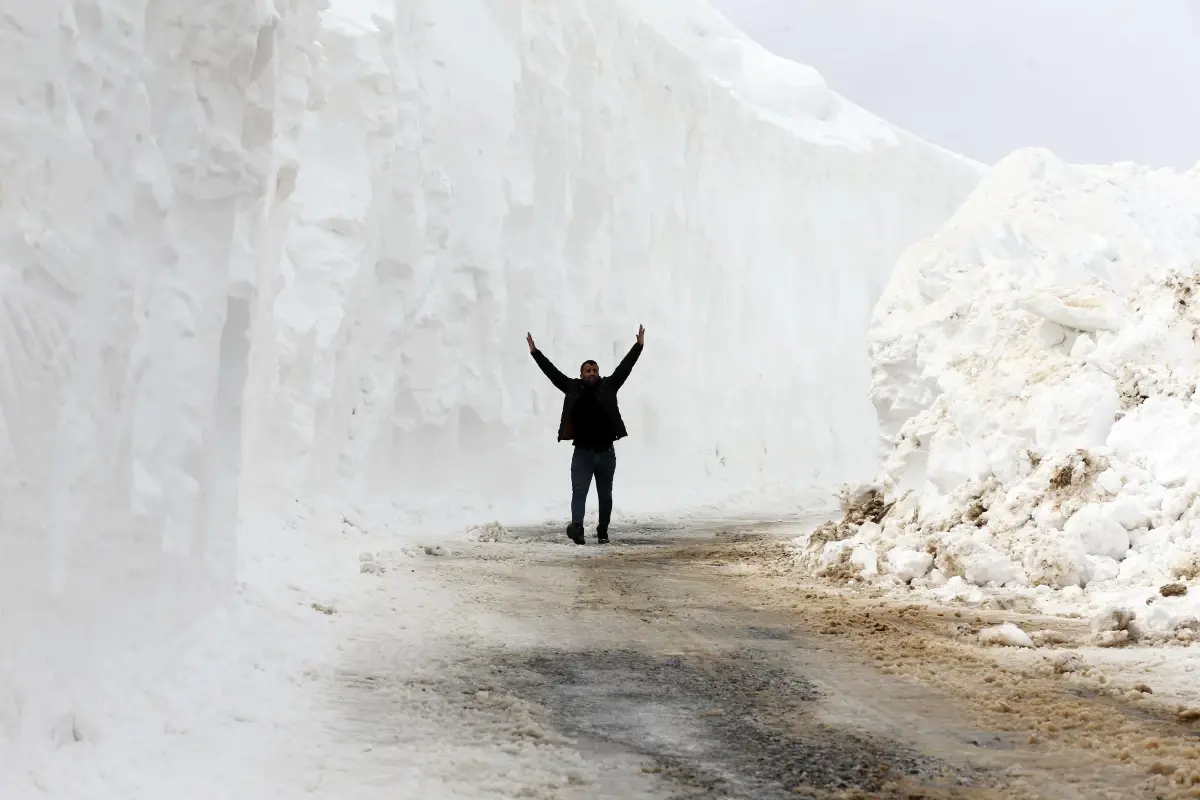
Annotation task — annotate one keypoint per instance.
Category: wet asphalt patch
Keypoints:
(774, 634)
(733, 725)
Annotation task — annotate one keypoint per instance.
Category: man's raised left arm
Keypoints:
(621, 373)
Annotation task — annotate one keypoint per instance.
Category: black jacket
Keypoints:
(606, 392)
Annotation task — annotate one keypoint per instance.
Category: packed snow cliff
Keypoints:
(1035, 375)
(574, 170)
(136, 152)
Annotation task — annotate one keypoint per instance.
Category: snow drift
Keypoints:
(1035, 374)
(574, 169)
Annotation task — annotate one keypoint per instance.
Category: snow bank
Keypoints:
(1035, 374)
(574, 169)
(136, 147)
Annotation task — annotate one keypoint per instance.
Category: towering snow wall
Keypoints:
(469, 171)
(135, 152)
(1035, 371)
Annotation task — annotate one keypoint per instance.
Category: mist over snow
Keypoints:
(264, 256)
(267, 270)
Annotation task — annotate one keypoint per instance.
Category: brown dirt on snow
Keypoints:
(1058, 704)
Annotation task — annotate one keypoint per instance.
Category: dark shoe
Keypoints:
(601, 537)
(575, 533)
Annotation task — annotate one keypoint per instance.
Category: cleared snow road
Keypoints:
(687, 664)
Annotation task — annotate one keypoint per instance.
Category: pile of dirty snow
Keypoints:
(1035, 367)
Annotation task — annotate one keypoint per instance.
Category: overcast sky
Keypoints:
(1093, 80)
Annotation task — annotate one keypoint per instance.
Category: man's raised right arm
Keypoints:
(560, 381)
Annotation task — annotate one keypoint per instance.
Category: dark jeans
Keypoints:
(584, 465)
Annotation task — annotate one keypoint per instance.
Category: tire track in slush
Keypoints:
(688, 666)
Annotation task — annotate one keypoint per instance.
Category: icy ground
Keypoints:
(524, 666)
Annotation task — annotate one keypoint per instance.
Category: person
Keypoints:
(591, 419)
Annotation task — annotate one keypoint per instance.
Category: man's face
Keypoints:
(590, 373)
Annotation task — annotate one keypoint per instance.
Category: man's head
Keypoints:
(589, 371)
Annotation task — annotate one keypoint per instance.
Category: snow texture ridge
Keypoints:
(574, 169)
(136, 152)
(1035, 374)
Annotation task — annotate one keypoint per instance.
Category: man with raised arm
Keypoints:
(592, 420)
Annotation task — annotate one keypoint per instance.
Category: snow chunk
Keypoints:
(908, 564)
(1185, 562)
(1006, 635)
(1083, 308)
(1126, 511)
(1058, 562)
(1067, 663)
(866, 558)
(977, 562)
(1100, 534)
(1112, 619)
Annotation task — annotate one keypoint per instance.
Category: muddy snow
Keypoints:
(693, 662)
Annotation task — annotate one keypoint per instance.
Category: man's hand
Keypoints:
(641, 337)
(529, 339)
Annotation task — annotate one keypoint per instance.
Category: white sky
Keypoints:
(1092, 80)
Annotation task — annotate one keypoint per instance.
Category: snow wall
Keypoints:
(1035, 371)
(136, 142)
(255, 251)
(574, 169)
